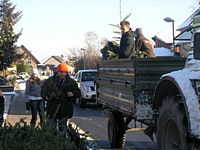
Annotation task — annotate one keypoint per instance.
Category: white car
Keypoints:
(86, 79)
(23, 75)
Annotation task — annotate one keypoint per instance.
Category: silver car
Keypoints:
(86, 79)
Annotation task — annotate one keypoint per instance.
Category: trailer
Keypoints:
(126, 87)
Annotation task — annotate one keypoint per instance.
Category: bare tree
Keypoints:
(75, 58)
(92, 52)
(74, 53)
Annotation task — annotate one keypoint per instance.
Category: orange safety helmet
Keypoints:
(62, 67)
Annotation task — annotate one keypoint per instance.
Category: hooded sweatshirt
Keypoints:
(143, 44)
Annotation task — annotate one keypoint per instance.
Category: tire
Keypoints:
(116, 129)
(171, 133)
(82, 102)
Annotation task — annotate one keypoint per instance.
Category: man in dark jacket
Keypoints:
(143, 44)
(127, 43)
(59, 92)
(2, 101)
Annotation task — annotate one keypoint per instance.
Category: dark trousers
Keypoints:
(37, 106)
(59, 123)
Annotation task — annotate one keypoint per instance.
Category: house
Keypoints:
(160, 43)
(28, 57)
(54, 61)
(184, 38)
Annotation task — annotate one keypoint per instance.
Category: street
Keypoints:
(90, 119)
(93, 120)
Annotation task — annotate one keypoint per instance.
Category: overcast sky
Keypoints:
(50, 27)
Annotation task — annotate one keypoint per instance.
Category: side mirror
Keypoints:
(197, 46)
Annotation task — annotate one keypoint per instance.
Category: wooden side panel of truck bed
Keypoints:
(120, 81)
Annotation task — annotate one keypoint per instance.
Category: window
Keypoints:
(88, 76)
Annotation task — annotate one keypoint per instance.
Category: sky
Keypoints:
(52, 27)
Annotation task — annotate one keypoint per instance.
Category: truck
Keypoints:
(163, 93)
(85, 80)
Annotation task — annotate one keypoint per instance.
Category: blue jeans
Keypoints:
(37, 106)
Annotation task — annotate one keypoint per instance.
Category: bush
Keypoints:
(24, 137)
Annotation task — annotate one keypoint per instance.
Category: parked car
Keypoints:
(23, 75)
(86, 79)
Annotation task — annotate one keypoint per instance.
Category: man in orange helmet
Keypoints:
(59, 91)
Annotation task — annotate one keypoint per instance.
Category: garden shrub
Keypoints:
(22, 136)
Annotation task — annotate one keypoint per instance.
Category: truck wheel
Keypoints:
(171, 133)
(116, 129)
(81, 102)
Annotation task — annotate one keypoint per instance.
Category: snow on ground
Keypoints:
(182, 77)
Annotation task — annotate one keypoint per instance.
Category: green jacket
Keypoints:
(127, 45)
(56, 93)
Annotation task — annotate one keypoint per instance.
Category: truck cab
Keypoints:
(177, 100)
(85, 80)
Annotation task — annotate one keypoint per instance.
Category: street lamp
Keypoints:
(83, 58)
(168, 19)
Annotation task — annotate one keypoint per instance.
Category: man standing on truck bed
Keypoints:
(127, 43)
(143, 44)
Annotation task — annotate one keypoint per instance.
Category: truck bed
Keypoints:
(127, 85)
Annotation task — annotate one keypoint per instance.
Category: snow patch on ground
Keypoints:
(183, 77)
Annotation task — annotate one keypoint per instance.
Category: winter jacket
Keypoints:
(33, 88)
(143, 44)
(2, 105)
(2, 101)
(55, 92)
(127, 45)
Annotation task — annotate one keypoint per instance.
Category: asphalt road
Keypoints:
(93, 120)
